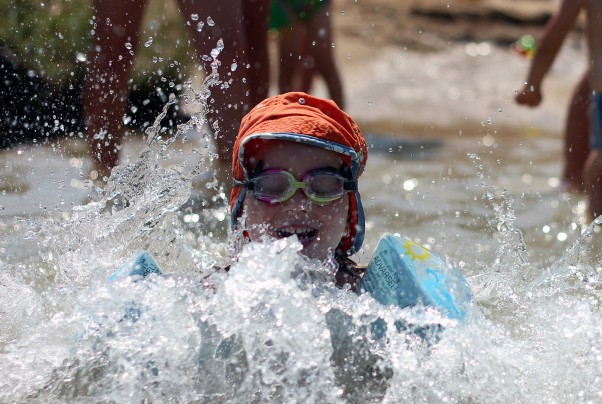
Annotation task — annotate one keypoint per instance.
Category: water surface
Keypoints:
(274, 327)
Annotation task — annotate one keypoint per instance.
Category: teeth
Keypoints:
(296, 230)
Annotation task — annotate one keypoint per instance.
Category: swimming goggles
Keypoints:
(322, 186)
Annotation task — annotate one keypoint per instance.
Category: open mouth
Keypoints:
(305, 234)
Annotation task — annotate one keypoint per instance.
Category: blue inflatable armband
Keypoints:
(141, 266)
(405, 274)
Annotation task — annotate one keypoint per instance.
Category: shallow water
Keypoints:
(274, 327)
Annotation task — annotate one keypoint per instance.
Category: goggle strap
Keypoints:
(246, 184)
(350, 185)
(360, 227)
(237, 207)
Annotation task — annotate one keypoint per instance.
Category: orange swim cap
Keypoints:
(300, 117)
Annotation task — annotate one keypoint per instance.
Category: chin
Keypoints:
(316, 253)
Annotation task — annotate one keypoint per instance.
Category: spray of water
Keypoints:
(274, 327)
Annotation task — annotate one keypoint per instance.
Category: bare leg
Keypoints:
(293, 39)
(106, 88)
(576, 135)
(323, 56)
(257, 16)
(231, 98)
(306, 67)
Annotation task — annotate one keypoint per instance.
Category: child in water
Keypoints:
(296, 164)
(295, 167)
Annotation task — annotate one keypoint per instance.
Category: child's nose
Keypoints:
(299, 201)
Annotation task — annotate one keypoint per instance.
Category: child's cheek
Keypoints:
(257, 216)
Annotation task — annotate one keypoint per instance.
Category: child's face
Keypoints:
(319, 228)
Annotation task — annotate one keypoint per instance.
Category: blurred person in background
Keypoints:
(305, 46)
(554, 35)
(116, 38)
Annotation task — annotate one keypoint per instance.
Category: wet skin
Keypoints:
(319, 228)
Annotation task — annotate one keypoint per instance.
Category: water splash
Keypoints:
(274, 328)
(578, 266)
(264, 331)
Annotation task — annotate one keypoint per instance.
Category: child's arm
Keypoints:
(554, 34)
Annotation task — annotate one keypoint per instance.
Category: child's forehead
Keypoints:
(281, 152)
(273, 147)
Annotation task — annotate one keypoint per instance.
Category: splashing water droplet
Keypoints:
(233, 67)
(128, 46)
(210, 21)
(80, 57)
(216, 51)
(302, 101)
(488, 140)
(199, 26)
(410, 184)
(149, 42)
(194, 17)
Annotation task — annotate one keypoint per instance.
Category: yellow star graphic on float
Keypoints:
(415, 251)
